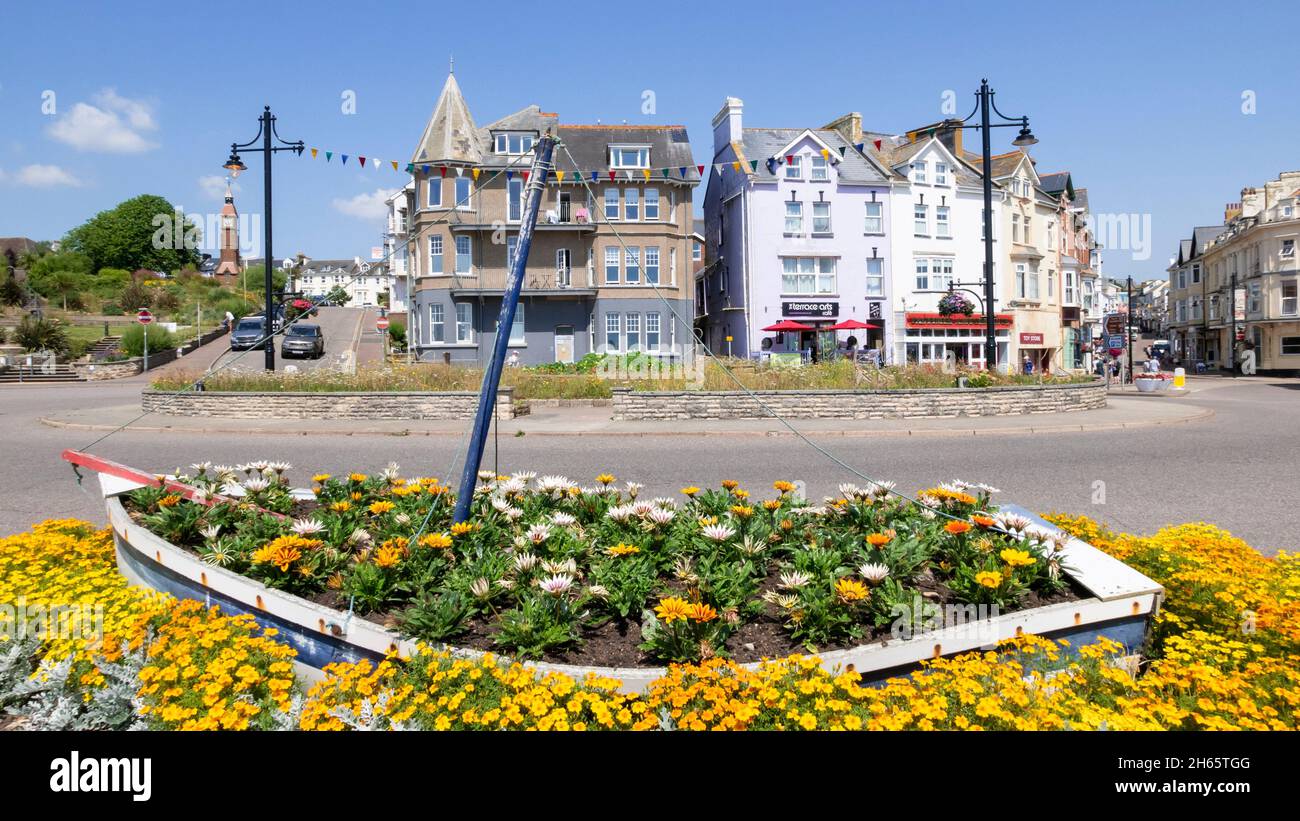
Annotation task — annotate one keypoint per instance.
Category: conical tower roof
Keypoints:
(451, 135)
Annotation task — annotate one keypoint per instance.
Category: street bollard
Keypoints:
(1180, 379)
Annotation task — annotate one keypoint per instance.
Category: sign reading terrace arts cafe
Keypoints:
(821, 309)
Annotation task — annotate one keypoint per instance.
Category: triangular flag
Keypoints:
(843, 148)
(753, 165)
(475, 172)
(594, 175)
(611, 175)
(735, 166)
(394, 165)
(313, 153)
(559, 175)
(375, 162)
(860, 147)
(682, 171)
(345, 158)
(362, 160)
(826, 155)
(877, 142)
(789, 158)
(328, 155)
(510, 175)
(647, 173)
(700, 169)
(460, 172)
(442, 169)
(524, 174)
(424, 168)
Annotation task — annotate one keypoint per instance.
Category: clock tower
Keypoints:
(229, 263)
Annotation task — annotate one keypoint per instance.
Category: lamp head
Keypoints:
(233, 164)
(1025, 137)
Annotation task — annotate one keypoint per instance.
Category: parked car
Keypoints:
(248, 332)
(303, 339)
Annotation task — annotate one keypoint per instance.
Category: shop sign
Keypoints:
(1031, 339)
(816, 309)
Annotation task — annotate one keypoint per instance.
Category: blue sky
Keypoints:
(1142, 102)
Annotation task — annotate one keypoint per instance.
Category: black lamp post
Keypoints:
(265, 131)
(1024, 138)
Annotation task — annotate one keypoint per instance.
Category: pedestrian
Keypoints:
(1029, 364)
(513, 359)
(227, 322)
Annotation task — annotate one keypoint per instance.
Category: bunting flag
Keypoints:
(789, 159)
(525, 174)
(735, 166)
(826, 155)
(510, 175)
(843, 148)
(861, 147)
(612, 175)
(328, 155)
(559, 175)
(313, 153)
(594, 176)
(698, 168)
(460, 172)
(394, 165)
(442, 169)
(345, 158)
(647, 173)
(410, 168)
(425, 169)
(877, 142)
(475, 172)
(362, 160)
(753, 166)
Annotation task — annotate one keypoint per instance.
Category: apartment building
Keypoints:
(610, 270)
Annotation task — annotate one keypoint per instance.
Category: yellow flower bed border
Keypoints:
(1226, 655)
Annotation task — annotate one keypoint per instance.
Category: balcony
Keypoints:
(562, 218)
(557, 283)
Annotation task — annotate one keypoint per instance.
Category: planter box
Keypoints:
(1151, 385)
(1121, 604)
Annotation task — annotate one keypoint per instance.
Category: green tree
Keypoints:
(36, 334)
(109, 282)
(142, 232)
(62, 276)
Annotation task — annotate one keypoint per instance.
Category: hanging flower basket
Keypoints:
(955, 303)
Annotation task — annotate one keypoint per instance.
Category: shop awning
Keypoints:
(853, 325)
(787, 325)
(938, 320)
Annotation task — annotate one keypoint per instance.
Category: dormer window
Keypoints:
(514, 143)
(918, 172)
(794, 167)
(820, 168)
(941, 173)
(629, 156)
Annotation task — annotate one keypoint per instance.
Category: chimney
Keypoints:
(727, 124)
(849, 126)
(950, 136)
(1231, 211)
(1252, 202)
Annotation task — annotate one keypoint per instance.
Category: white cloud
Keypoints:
(117, 125)
(45, 176)
(214, 186)
(371, 206)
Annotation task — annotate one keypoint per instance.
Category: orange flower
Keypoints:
(956, 528)
(983, 521)
(690, 491)
(170, 500)
(381, 507)
(673, 609)
(388, 556)
(702, 612)
(783, 486)
(436, 540)
(877, 539)
(461, 528)
(730, 484)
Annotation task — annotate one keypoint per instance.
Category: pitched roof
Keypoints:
(764, 143)
(1081, 198)
(1202, 235)
(1056, 182)
(19, 245)
(588, 145)
(450, 135)
(1003, 164)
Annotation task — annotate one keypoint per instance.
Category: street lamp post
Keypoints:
(1023, 139)
(265, 131)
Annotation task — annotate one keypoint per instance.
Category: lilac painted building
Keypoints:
(797, 228)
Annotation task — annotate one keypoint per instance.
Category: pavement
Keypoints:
(1223, 453)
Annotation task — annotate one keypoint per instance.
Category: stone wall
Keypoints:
(305, 405)
(104, 369)
(835, 404)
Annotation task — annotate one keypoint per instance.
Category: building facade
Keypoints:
(610, 268)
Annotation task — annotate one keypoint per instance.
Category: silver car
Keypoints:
(303, 340)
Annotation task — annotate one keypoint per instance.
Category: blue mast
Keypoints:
(492, 377)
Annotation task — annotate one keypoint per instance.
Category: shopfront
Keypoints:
(932, 338)
(1033, 349)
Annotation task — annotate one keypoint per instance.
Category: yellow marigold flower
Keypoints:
(956, 528)
(605, 478)
(321, 478)
(691, 490)
(783, 486)
(461, 528)
(1017, 558)
(771, 504)
(357, 477)
(730, 484)
(787, 525)
(878, 539)
(743, 511)
(988, 578)
(740, 494)
(387, 556)
(672, 609)
(355, 496)
(381, 507)
(705, 521)
(850, 590)
(436, 540)
(983, 521)
(622, 549)
(341, 507)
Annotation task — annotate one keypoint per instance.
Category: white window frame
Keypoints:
(1282, 345)
(920, 220)
(467, 254)
(650, 266)
(807, 276)
(465, 323)
(517, 336)
(618, 158)
(942, 221)
(1288, 248)
(514, 200)
(632, 204)
(632, 265)
(614, 329)
(878, 219)
(435, 255)
(1294, 299)
(825, 227)
(650, 201)
(921, 267)
(437, 323)
(613, 254)
(820, 170)
(941, 173)
(632, 331)
(794, 167)
(793, 228)
(919, 172)
(466, 203)
(875, 277)
(501, 145)
(611, 202)
(433, 185)
(653, 330)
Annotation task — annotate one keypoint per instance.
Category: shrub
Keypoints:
(36, 334)
(397, 335)
(164, 300)
(135, 296)
(111, 309)
(160, 339)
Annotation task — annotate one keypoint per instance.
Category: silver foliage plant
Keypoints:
(43, 696)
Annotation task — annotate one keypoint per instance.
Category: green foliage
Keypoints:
(164, 300)
(11, 291)
(539, 625)
(435, 616)
(397, 335)
(160, 339)
(135, 296)
(137, 233)
(36, 334)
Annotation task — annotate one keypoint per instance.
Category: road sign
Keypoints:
(381, 324)
(144, 316)
(1115, 341)
(1114, 323)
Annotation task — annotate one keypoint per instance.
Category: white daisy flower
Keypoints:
(210, 531)
(795, 579)
(718, 533)
(556, 585)
(563, 520)
(255, 484)
(306, 527)
(538, 533)
(568, 567)
(525, 562)
(481, 588)
(873, 572)
(619, 513)
(660, 516)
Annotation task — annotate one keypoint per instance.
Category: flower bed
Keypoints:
(598, 577)
(1205, 673)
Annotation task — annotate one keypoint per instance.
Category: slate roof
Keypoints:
(450, 135)
(1003, 164)
(1080, 198)
(764, 143)
(1056, 182)
(1202, 235)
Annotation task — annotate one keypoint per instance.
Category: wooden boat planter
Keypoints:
(1120, 607)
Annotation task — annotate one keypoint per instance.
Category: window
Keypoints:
(437, 322)
(819, 169)
(1286, 212)
(941, 173)
(1032, 281)
(652, 331)
(1290, 345)
(435, 255)
(821, 217)
(1051, 284)
(1212, 312)
(632, 261)
(434, 193)
(512, 243)
(464, 323)
(652, 203)
(613, 335)
(1015, 228)
(1288, 247)
(1196, 273)
(918, 172)
(514, 143)
(875, 277)
(941, 226)
(1196, 308)
(875, 223)
(611, 203)
(1051, 235)
(921, 220)
(652, 264)
(1029, 230)
(697, 252)
(517, 326)
(1289, 302)
(923, 274)
(625, 156)
(633, 326)
(941, 273)
(808, 275)
(1255, 298)
(464, 256)
(1182, 278)
(794, 168)
(631, 204)
(794, 217)
(611, 265)
(1069, 287)
(515, 200)
(464, 187)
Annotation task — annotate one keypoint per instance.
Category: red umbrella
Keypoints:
(853, 325)
(789, 325)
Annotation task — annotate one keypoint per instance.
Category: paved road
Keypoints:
(342, 328)
(1237, 469)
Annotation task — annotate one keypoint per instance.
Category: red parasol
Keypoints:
(789, 325)
(853, 325)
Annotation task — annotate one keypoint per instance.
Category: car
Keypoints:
(248, 333)
(303, 339)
